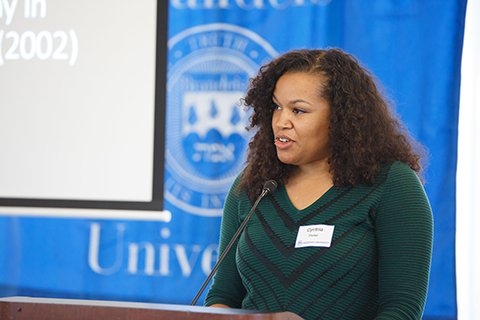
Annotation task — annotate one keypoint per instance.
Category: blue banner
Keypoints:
(214, 47)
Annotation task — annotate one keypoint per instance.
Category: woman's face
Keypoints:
(301, 120)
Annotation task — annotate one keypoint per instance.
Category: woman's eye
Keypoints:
(298, 111)
(277, 107)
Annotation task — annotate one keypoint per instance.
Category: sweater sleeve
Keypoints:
(227, 287)
(404, 231)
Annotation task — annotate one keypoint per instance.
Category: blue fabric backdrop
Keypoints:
(414, 48)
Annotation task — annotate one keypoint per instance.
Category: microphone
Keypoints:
(268, 188)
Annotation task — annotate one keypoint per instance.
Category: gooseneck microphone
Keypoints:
(268, 188)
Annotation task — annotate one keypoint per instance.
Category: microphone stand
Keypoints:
(265, 191)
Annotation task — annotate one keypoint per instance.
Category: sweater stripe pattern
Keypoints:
(376, 267)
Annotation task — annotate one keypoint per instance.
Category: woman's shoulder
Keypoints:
(400, 176)
(398, 170)
(237, 181)
(236, 192)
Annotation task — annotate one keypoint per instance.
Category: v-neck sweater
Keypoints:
(377, 266)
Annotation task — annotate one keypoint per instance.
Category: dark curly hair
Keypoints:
(364, 132)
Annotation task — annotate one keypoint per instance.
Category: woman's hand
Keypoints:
(219, 305)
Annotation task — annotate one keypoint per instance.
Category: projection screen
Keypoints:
(82, 103)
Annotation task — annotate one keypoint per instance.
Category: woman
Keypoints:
(347, 170)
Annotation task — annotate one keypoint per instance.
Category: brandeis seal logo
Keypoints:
(206, 141)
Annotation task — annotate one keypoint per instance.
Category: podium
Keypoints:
(26, 308)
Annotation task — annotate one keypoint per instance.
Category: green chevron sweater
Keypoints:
(377, 265)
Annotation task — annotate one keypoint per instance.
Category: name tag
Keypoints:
(319, 235)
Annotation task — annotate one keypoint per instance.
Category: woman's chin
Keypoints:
(285, 160)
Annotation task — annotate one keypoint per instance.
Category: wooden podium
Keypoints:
(25, 308)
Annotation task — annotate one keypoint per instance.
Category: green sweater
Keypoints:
(377, 266)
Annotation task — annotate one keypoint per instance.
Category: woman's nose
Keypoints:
(283, 120)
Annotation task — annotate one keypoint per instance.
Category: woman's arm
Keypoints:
(227, 288)
(404, 232)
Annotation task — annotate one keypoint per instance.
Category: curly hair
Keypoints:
(364, 132)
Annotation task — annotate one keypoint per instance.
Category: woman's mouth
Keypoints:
(283, 143)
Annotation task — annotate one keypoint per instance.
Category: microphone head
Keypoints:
(270, 186)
